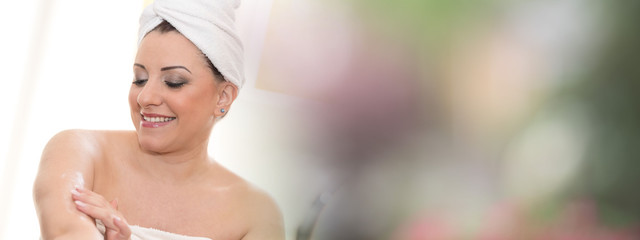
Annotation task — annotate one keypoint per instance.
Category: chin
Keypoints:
(151, 144)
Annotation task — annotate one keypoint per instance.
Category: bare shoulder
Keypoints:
(74, 152)
(258, 209)
(70, 150)
(244, 191)
(262, 204)
(88, 143)
(75, 139)
(267, 222)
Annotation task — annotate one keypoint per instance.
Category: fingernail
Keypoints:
(117, 220)
(75, 192)
(79, 188)
(81, 204)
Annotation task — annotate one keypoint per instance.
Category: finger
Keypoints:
(96, 206)
(92, 211)
(114, 204)
(89, 197)
(124, 232)
(103, 214)
(88, 194)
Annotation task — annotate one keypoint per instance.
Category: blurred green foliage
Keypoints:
(429, 23)
(612, 91)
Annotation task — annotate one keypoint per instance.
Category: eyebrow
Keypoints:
(140, 66)
(174, 67)
(162, 69)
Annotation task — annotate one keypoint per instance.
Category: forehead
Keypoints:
(168, 49)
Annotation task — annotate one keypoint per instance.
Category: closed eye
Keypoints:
(175, 84)
(140, 82)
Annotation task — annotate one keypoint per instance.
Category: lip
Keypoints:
(148, 124)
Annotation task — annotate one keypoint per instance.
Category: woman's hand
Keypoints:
(98, 207)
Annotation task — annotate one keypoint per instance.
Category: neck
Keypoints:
(176, 167)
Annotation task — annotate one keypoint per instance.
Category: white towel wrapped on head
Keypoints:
(208, 24)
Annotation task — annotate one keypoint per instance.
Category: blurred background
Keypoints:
(411, 119)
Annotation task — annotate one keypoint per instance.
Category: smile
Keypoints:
(158, 119)
(155, 120)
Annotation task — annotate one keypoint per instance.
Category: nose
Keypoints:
(149, 95)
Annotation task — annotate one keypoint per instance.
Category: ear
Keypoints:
(227, 93)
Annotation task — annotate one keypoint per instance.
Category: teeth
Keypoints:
(158, 119)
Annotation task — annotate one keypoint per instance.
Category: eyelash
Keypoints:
(140, 82)
(175, 85)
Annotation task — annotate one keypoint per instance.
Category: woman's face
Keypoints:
(174, 98)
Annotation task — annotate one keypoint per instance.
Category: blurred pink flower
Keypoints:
(579, 220)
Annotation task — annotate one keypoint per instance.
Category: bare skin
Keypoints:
(157, 176)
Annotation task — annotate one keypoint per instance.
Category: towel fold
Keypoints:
(208, 24)
(142, 233)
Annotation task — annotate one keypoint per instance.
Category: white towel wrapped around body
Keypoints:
(208, 24)
(142, 233)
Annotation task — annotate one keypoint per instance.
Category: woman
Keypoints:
(158, 182)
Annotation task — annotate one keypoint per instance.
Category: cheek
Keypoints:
(133, 98)
(133, 106)
(198, 104)
(186, 105)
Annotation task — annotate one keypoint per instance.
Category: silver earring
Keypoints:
(222, 110)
